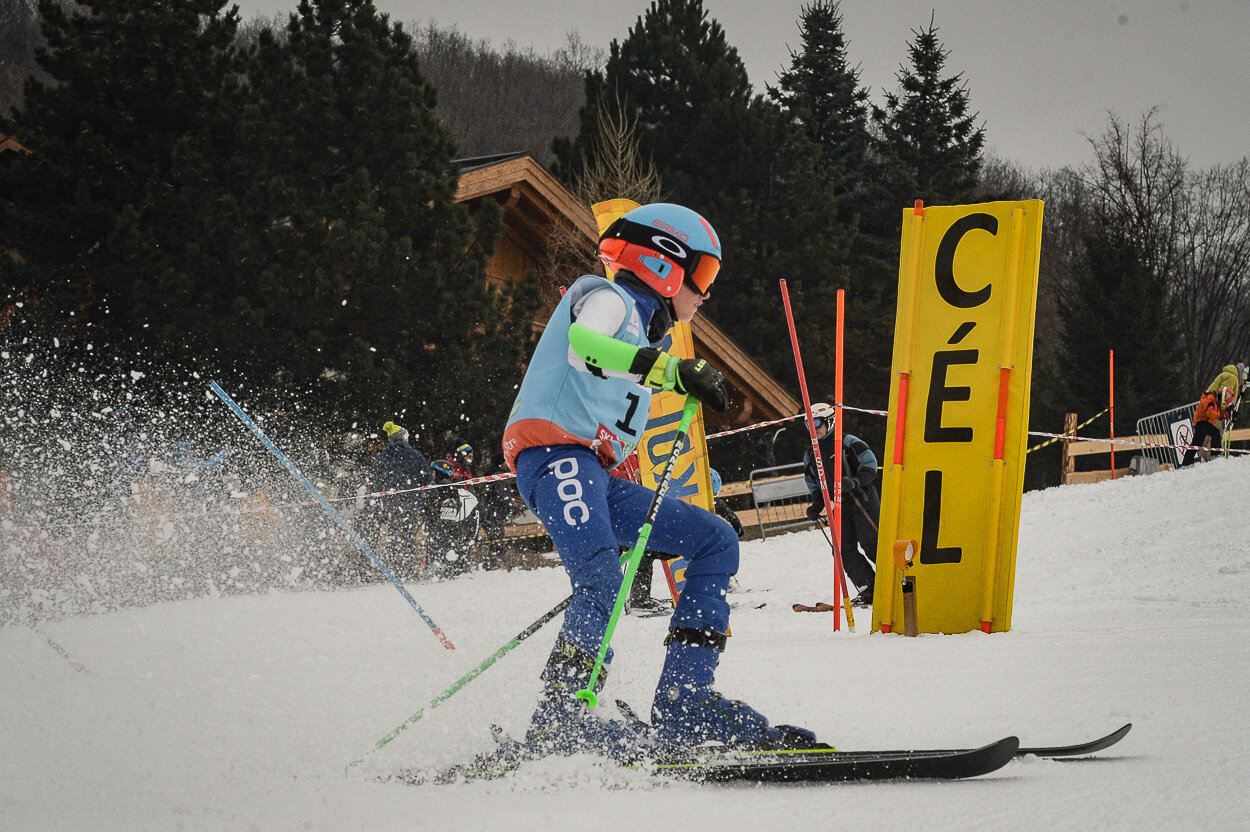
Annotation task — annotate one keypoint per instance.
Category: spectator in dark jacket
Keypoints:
(862, 506)
(400, 467)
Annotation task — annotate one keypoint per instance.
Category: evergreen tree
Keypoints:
(737, 159)
(928, 139)
(129, 85)
(671, 70)
(925, 145)
(282, 217)
(822, 92)
(360, 282)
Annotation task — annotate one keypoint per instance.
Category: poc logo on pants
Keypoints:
(570, 491)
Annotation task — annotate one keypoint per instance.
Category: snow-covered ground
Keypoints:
(1132, 603)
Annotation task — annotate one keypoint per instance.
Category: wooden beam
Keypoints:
(1067, 462)
(1084, 477)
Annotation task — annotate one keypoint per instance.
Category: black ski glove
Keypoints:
(814, 511)
(692, 376)
(850, 484)
(700, 379)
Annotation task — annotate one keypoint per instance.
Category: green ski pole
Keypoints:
(468, 677)
(635, 554)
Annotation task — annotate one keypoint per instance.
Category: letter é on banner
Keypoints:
(930, 551)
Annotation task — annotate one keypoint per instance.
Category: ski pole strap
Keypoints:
(635, 555)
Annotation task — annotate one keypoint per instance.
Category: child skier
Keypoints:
(581, 409)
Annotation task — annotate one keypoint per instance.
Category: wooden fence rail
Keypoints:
(1072, 449)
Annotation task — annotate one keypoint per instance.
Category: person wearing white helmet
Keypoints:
(862, 508)
(582, 408)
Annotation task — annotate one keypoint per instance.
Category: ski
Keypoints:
(804, 763)
(821, 751)
(818, 750)
(669, 610)
(781, 767)
(821, 606)
(848, 766)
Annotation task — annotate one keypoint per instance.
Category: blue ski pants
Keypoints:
(591, 515)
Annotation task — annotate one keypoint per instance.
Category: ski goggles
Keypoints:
(698, 267)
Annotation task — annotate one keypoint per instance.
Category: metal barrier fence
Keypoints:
(781, 497)
(1171, 427)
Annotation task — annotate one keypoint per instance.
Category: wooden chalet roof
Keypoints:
(534, 200)
(8, 144)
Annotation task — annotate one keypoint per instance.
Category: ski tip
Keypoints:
(1081, 749)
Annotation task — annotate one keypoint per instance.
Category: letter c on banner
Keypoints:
(944, 266)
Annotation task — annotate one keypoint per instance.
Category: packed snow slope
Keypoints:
(1132, 603)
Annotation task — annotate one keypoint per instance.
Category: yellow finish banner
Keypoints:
(958, 423)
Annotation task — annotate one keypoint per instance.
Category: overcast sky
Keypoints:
(1041, 74)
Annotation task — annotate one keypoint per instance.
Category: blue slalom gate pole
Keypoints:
(329, 509)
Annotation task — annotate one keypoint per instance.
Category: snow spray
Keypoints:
(329, 509)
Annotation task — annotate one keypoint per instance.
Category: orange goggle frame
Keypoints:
(625, 243)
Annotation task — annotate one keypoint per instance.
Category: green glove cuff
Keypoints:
(663, 373)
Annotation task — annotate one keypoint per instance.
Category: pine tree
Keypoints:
(822, 92)
(282, 217)
(362, 284)
(130, 87)
(928, 138)
(739, 160)
(925, 145)
(676, 73)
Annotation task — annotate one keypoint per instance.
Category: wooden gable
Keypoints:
(534, 202)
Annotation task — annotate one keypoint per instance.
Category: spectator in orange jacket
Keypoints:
(1217, 405)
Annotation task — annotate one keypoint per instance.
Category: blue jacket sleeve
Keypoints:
(864, 467)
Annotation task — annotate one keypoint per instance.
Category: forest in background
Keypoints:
(270, 206)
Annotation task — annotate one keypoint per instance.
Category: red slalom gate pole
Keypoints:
(1111, 408)
(839, 584)
(838, 462)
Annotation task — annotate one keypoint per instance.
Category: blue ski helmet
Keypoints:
(663, 245)
(715, 475)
